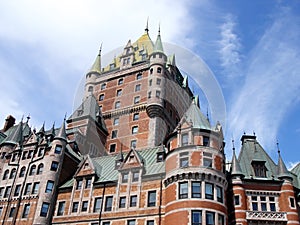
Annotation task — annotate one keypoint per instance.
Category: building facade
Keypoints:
(139, 151)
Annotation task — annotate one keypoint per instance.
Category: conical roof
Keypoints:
(62, 132)
(282, 171)
(42, 130)
(96, 67)
(235, 166)
(16, 135)
(158, 47)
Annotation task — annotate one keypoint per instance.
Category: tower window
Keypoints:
(184, 139)
(236, 200)
(219, 194)
(210, 218)
(221, 219)
(49, 186)
(40, 169)
(27, 189)
(158, 70)
(119, 92)
(26, 211)
(112, 148)
(12, 211)
(205, 141)
(150, 82)
(135, 176)
(17, 190)
(207, 159)
(117, 105)
(78, 184)
(7, 191)
(157, 94)
(57, 149)
(90, 89)
(54, 166)
(137, 87)
(103, 86)
(32, 170)
(120, 81)
(135, 130)
(101, 97)
(158, 81)
(22, 172)
(5, 175)
(133, 144)
(209, 191)
(139, 76)
(12, 173)
(44, 209)
(116, 121)
(196, 189)
(151, 71)
(35, 188)
(125, 177)
(61, 208)
(149, 94)
(184, 159)
(114, 134)
(183, 190)
(196, 217)
(136, 116)
(136, 99)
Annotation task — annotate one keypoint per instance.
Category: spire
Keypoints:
(52, 132)
(147, 29)
(96, 67)
(62, 132)
(42, 130)
(235, 165)
(282, 171)
(158, 47)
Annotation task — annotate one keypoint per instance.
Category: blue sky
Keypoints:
(251, 47)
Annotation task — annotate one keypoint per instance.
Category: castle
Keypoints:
(139, 151)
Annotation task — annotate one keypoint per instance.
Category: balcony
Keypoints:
(264, 215)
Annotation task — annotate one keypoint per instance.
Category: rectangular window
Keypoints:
(209, 191)
(97, 204)
(133, 201)
(196, 217)
(114, 134)
(135, 176)
(78, 184)
(272, 207)
(125, 177)
(157, 94)
(49, 186)
(112, 148)
(27, 189)
(58, 149)
(219, 194)
(150, 222)
(196, 189)
(119, 92)
(103, 86)
(116, 121)
(254, 206)
(150, 82)
(12, 211)
(137, 87)
(41, 152)
(1, 210)
(1, 191)
(184, 159)
(135, 130)
(184, 139)
(136, 99)
(54, 166)
(35, 188)
(210, 218)
(139, 76)
(105, 223)
(236, 200)
(205, 141)
(133, 144)
(120, 81)
(149, 94)
(61, 208)
(122, 202)
(292, 202)
(26, 211)
(84, 206)
(221, 219)
(17, 190)
(44, 209)
(75, 207)
(101, 97)
(151, 198)
(131, 222)
(108, 203)
(88, 182)
(7, 192)
(136, 116)
(158, 81)
(183, 190)
(117, 105)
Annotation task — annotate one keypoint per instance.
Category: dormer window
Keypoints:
(205, 141)
(184, 139)
(160, 157)
(125, 177)
(259, 168)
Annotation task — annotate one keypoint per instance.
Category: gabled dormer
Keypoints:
(132, 160)
(86, 168)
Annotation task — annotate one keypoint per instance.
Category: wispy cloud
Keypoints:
(230, 46)
(272, 82)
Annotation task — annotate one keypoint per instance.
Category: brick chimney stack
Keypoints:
(9, 122)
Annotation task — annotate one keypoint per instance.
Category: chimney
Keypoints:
(9, 122)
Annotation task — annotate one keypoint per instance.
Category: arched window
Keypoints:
(90, 89)
(22, 171)
(5, 175)
(32, 170)
(12, 173)
(158, 70)
(40, 169)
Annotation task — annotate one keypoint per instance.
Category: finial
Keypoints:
(100, 49)
(207, 114)
(278, 150)
(233, 148)
(28, 118)
(65, 118)
(159, 28)
(244, 133)
(254, 133)
(147, 29)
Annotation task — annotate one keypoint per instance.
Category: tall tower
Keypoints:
(195, 180)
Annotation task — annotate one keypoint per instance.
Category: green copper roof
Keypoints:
(15, 134)
(194, 115)
(296, 172)
(235, 166)
(158, 47)
(96, 67)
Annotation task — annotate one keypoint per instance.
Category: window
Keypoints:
(117, 105)
(75, 207)
(22, 171)
(160, 157)
(221, 219)
(150, 82)
(136, 116)
(41, 152)
(7, 191)
(32, 170)
(61, 208)
(90, 89)
(125, 177)
(114, 134)
(158, 81)
(210, 218)
(119, 92)
(17, 190)
(54, 166)
(101, 97)
(207, 162)
(292, 202)
(40, 169)
(209, 191)
(219, 194)
(135, 176)
(157, 94)
(196, 217)
(78, 184)
(184, 159)
(196, 189)
(150, 222)
(26, 211)
(88, 182)
(58, 149)
(97, 204)
(122, 202)
(151, 70)
(133, 200)
(259, 169)
(27, 189)
(108, 203)
(133, 144)
(136, 99)
(1, 191)
(236, 200)
(45, 208)
(137, 87)
(103, 86)
(149, 94)
(84, 206)
(12, 212)
(12, 173)
(134, 130)
(35, 188)
(24, 156)
(139, 76)
(131, 222)
(184, 139)
(49, 186)
(120, 81)
(205, 141)
(158, 70)
(116, 121)
(112, 148)
(105, 223)
(5, 175)
(30, 153)
(151, 198)
(183, 190)
(1, 210)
